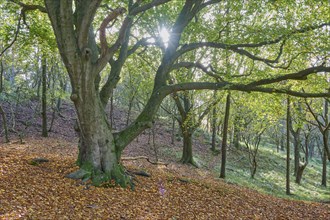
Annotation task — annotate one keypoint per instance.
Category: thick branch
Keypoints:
(200, 66)
(238, 87)
(85, 11)
(112, 16)
(147, 6)
(193, 46)
(280, 38)
(238, 47)
(301, 75)
(106, 57)
(27, 7)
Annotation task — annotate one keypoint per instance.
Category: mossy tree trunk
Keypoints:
(99, 148)
(187, 126)
(187, 155)
(189, 121)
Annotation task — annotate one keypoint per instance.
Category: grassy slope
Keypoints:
(270, 176)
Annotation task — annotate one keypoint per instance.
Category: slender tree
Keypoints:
(44, 97)
(323, 124)
(224, 138)
(288, 146)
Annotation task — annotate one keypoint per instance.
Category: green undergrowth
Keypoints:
(270, 176)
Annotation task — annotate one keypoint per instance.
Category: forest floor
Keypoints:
(32, 190)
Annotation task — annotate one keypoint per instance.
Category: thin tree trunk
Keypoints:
(4, 120)
(296, 145)
(236, 134)
(44, 98)
(325, 137)
(224, 139)
(288, 147)
(52, 120)
(214, 128)
(130, 105)
(173, 130)
(324, 169)
(1, 76)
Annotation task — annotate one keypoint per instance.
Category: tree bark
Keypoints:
(44, 98)
(98, 157)
(4, 120)
(224, 139)
(288, 116)
(214, 128)
(187, 155)
(296, 146)
(324, 169)
(1, 76)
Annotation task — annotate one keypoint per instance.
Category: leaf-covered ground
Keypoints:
(30, 190)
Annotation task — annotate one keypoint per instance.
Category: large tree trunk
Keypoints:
(98, 157)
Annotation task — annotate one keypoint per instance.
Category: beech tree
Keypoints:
(274, 42)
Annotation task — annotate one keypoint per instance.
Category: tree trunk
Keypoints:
(44, 98)
(253, 167)
(1, 76)
(214, 128)
(296, 146)
(4, 120)
(98, 157)
(288, 147)
(236, 133)
(187, 156)
(300, 172)
(173, 130)
(224, 139)
(325, 137)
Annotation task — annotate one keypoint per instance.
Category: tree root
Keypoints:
(79, 174)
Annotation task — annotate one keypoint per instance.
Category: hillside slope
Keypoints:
(39, 191)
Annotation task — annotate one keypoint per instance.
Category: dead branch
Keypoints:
(146, 158)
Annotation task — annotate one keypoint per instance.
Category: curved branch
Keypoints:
(143, 8)
(200, 66)
(15, 36)
(106, 52)
(112, 16)
(27, 7)
(238, 87)
(301, 75)
(237, 48)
